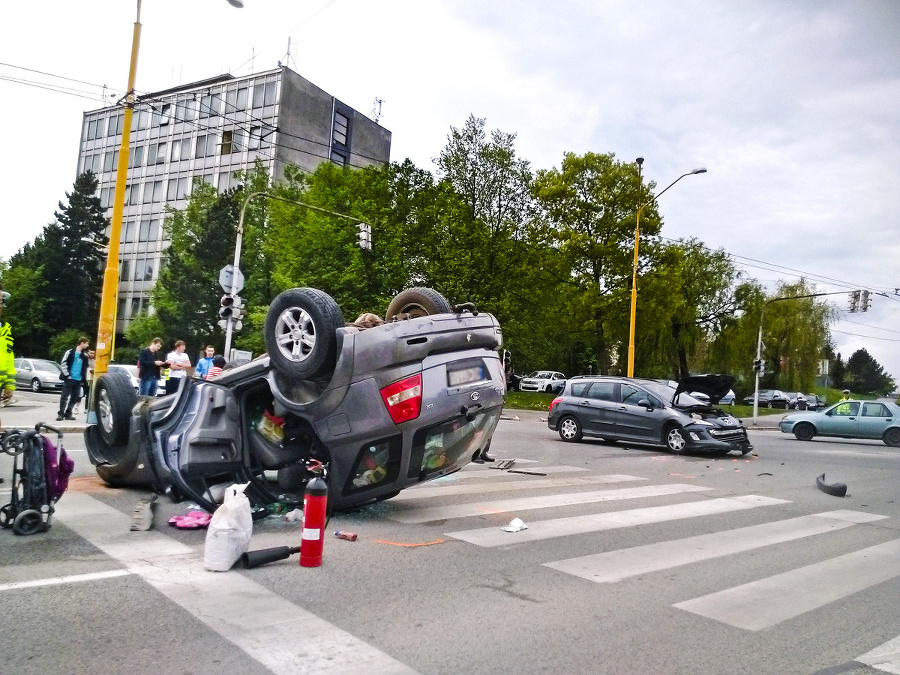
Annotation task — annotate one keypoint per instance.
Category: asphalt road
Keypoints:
(634, 561)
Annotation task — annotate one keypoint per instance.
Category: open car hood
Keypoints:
(714, 386)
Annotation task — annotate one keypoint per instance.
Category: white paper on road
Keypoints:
(629, 562)
(598, 522)
(764, 603)
(425, 515)
(266, 627)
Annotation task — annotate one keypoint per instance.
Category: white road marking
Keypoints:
(598, 522)
(614, 566)
(72, 579)
(261, 623)
(885, 658)
(424, 515)
(524, 483)
(764, 603)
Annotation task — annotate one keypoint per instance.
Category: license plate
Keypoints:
(462, 376)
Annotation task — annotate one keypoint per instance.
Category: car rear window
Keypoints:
(603, 391)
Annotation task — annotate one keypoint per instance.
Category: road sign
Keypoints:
(229, 273)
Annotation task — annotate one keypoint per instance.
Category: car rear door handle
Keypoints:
(622, 407)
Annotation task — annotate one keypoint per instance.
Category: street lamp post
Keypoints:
(106, 327)
(240, 236)
(634, 271)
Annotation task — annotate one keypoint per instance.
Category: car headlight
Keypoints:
(703, 423)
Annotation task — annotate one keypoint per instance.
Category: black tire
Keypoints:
(675, 440)
(804, 431)
(6, 519)
(300, 333)
(416, 302)
(29, 521)
(892, 437)
(570, 429)
(36, 386)
(113, 403)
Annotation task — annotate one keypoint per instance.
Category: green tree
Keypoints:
(25, 310)
(865, 374)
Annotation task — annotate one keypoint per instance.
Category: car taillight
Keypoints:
(404, 398)
(554, 402)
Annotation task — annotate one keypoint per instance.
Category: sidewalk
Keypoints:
(30, 409)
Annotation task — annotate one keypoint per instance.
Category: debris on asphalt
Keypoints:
(515, 525)
(502, 463)
(295, 516)
(764, 473)
(349, 536)
(835, 489)
(529, 473)
(192, 520)
(251, 559)
(142, 516)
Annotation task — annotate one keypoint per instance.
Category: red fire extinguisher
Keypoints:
(315, 505)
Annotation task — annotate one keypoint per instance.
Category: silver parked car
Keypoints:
(37, 374)
(649, 412)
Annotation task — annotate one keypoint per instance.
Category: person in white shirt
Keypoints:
(179, 365)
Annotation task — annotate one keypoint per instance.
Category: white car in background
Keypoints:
(132, 373)
(549, 381)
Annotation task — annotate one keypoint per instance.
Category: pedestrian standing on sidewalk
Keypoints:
(148, 368)
(179, 365)
(217, 367)
(88, 382)
(75, 364)
(204, 364)
(7, 356)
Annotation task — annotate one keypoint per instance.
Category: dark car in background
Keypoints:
(769, 398)
(37, 374)
(649, 412)
(374, 406)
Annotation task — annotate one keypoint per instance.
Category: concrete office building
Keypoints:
(208, 131)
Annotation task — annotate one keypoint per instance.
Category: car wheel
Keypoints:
(28, 522)
(675, 440)
(300, 333)
(6, 519)
(416, 302)
(114, 401)
(892, 437)
(804, 431)
(769, 404)
(36, 386)
(570, 429)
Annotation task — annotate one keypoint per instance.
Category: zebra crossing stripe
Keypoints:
(258, 621)
(424, 515)
(524, 482)
(764, 603)
(614, 566)
(598, 522)
(885, 658)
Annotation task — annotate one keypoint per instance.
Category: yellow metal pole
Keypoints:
(106, 330)
(634, 271)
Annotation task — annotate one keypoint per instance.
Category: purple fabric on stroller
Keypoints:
(58, 467)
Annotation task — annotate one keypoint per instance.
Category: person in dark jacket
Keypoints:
(75, 364)
(148, 367)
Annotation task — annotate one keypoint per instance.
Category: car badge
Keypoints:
(728, 421)
(475, 395)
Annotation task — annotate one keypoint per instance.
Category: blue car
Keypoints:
(848, 419)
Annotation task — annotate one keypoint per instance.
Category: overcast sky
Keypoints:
(793, 107)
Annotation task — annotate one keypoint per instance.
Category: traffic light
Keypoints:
(865, 302)
(365, 235)
(507, 360)
(854, 301)
(239, 309)
(759, 366)
(227, 309)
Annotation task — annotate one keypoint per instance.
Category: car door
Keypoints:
(595, 407)
(23, 372)
(874, 419)
(635, 422)
(841, 420)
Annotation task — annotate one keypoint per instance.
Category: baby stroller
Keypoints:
(40, 477)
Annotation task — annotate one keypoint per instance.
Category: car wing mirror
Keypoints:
(644, 403)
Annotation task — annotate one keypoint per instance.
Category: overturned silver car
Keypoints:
(374, 409)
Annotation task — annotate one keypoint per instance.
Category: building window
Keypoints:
(227, 146)
(110, 160)
(182, 190)
(136, 156)
(148, 192)
(157, 190)
(341, 129)
(270, 93)
(165, 113)
(201, 147)
(116, 123)
(128, 232)
(135, 307)
(104, 198)
(224, 181)
(154, 230)
(144, 231)
(143, 118)
(148, 269)
(338, 158)
(158, 153)
(125, 270)
(123, 305)
(170, 190)
(92, 130)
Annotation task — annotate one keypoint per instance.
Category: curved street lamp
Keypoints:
(634, 271)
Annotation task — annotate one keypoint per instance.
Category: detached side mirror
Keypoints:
(644, 403)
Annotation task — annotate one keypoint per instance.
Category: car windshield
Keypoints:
(540, 375)
(666, 393)
(42, 364)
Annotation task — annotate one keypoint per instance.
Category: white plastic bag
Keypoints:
(230, 529)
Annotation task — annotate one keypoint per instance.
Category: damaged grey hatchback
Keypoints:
(375, 406)
(649, 412)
